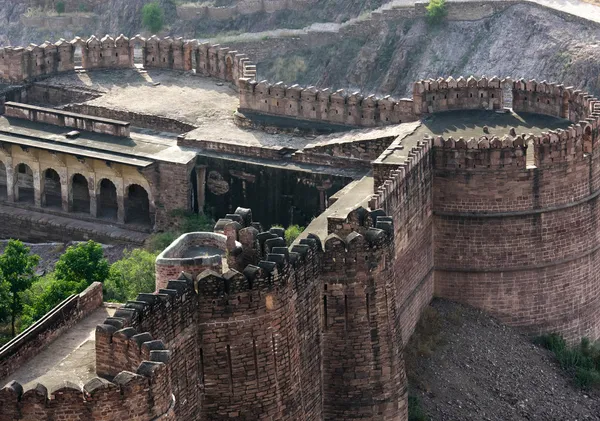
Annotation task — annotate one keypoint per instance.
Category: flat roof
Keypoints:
(469, 123)
(141, 149)
(65, 113)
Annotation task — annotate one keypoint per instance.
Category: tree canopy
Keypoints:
(17, 266)
(152, 17)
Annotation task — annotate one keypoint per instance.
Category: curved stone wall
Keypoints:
(516, 218)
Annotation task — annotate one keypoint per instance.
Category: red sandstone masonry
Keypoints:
(39, 335)
(143, 394)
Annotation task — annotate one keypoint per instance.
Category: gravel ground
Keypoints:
(50, 252)
(483, 370)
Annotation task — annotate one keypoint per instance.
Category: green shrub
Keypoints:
(152, 17)
(160, 241)
(292, 232)
(415, 411)
(60, 7)
(581, 362)
(82, 8)
(130, 276)
(436, 11)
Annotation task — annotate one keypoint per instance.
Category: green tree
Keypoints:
(83, 263)
(60, 7)
(17, 266)
(131, 275)
(436, 11)
(152, 17)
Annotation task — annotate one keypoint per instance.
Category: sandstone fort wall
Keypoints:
(25, 64)
(240, 8)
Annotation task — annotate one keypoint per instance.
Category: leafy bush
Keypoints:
(160, 241)
(292, 232)
(436, 11)
(46, 293)
(60, 7)
(152, 17)
(581, 362)
(130, 276)
(82, 8)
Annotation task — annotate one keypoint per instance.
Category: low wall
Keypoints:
(56, 95)
(58, 22)
(67, 119)
(148, 121)
(46, 330)
(243, 7)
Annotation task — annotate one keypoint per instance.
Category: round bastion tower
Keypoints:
(516, 215)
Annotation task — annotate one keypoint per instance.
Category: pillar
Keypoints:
(93, 198)
(10, 181)
(64, 188)
(37, 185)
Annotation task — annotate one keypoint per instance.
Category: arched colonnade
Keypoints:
(91, 194)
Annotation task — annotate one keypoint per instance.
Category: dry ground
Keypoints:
(479, 369)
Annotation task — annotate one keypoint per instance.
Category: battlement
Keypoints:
(310, 103)
(139, 387)
(18, 64)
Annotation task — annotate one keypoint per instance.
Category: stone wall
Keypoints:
(243, 7)
(18, 64)
(66, 119)
(43, 332)
(136, 119)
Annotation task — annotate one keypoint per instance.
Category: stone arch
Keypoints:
(79, 194)
(51, 189)
(24, 188)
(108, 205)
(137, 205)
(3, 182)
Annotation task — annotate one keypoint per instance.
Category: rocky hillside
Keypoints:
(124, 16)
(521, 41)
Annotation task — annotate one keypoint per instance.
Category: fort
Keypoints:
(479, 190)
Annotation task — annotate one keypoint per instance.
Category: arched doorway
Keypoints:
(107, 200)
(24, 184)
(137, 205)
(52, 197)
(80, 194)
(3, 182)
(194, 191)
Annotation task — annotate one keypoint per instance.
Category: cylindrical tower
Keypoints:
(516, 218)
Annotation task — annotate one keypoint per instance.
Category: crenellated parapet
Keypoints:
(441, 94)
(140, 389)
(25, 64)
(552, 99)
(310, 103)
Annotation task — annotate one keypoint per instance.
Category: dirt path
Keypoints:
(484, 370)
